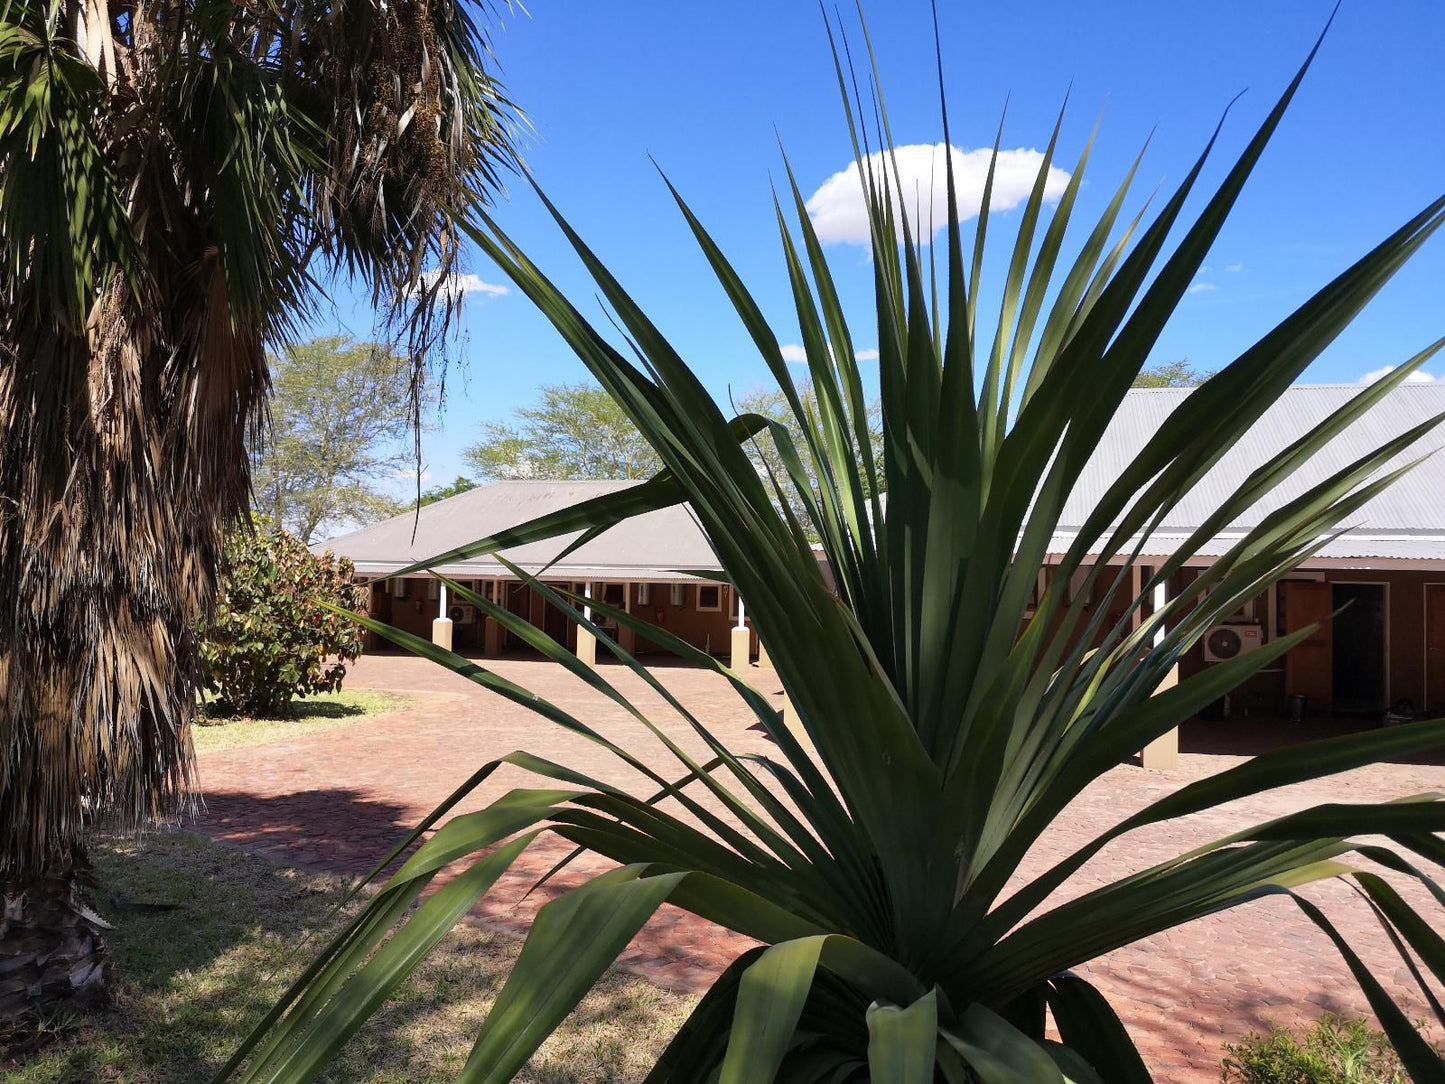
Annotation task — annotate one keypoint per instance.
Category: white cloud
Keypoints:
(840, 215)
(459, 284)
(1203, 288)
(1234, 268)
(798, 355)
(1417, 377)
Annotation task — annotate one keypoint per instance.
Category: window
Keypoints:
(709, 596)
(612, 595)
(432, 588)
(644, 594)
(398, 587)
(675, 594)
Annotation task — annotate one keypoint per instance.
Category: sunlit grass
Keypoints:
(324, 711)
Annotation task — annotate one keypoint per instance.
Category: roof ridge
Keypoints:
(1327, 385)
(556, 482)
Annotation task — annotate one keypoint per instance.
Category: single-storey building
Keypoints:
(1383, 579)
(659, 565)
(1384, 650)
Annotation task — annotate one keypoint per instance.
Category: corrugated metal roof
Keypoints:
(1361, 549)
(651, 546)
(1404, 524)
(1406, 520)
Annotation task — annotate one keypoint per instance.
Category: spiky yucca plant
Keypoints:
(174, 176)
(946, 729)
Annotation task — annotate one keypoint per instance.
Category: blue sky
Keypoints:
(703, 88)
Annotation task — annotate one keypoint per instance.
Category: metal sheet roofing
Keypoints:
(661, 545)
(1404, 523)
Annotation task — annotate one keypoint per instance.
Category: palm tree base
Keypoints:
(51, 948)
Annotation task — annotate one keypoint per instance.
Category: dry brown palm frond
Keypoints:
(174, 176)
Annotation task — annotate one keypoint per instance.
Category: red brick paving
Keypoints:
(339, 799)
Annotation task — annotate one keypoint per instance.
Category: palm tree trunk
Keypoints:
(50, 942)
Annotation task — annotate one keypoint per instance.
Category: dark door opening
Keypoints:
(554, 622)
(1434, 650)
(519, 602)
(1360, 684)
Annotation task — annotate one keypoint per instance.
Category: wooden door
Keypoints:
(1434, 649)
(1308, 667)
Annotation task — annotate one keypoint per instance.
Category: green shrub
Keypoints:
(1332, 1051)
(270, 638)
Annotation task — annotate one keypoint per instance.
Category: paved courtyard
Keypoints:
(339, 799)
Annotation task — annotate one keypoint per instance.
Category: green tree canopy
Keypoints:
(767, 457)
(573, 431)
(341, 422)
(1172, 374)
(460, 484)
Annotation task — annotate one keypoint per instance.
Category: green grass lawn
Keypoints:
(189, 983)
(323, 711)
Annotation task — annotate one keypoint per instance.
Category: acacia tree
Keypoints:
(786, 429)
(174, 177)
(460, 484)
(574, 431)
(341, 413)
(1172, 374)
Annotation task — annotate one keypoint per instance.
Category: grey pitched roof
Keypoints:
(659, 545)
(1404, 524)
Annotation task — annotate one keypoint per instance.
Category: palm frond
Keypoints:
(174, 177)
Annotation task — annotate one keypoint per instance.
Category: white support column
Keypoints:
(1161, 600)
(1163, 751)
(441, 626)
(741, 653)
(586, 642)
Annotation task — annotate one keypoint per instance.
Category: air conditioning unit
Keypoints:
(462, 613)
(1224, 642)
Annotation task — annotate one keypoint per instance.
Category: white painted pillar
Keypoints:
(586, 642)
(441, 626)
(1163, 751)
(741, 647)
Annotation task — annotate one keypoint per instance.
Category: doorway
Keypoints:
(1360, 669)
(1434, 650)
